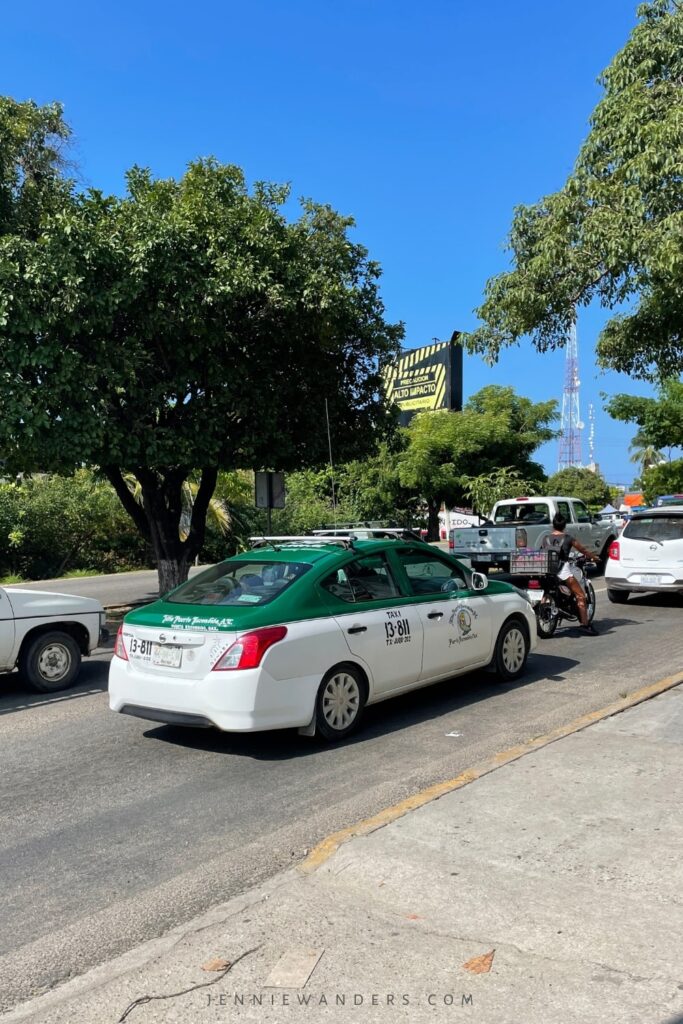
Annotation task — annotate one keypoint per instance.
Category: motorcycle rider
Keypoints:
(563, 543)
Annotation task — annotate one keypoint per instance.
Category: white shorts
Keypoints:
(567, 570)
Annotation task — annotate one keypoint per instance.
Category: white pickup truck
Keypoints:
(45, 635)
(523, 523)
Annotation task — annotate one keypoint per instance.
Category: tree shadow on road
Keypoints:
(392, 716)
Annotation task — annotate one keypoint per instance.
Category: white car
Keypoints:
(648, 556)
(45, 635)
(304, 632)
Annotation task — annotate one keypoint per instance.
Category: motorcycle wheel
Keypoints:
(546, 621)
(590, 600)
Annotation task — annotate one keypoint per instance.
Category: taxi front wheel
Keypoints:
(340, 702)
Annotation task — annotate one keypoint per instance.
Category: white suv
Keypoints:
(648, 555)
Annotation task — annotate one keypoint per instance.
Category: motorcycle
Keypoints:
(557, 601)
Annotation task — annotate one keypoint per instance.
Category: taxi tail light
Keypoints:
(614, 551)
(248, 650)
(120, 648)
(520, 537)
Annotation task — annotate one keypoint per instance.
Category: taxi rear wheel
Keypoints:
(512, 649)
(340, 702)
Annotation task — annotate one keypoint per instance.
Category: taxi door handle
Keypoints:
(435, 615)
(357, 629)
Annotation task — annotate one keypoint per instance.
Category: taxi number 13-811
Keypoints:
(397, 631)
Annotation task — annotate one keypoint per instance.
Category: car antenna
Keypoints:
(329, 442)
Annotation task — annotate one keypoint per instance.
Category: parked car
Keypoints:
(522, 523)
(305, 632)
(45, 635)
(648, 556)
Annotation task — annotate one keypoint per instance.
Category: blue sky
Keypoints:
(426, 122)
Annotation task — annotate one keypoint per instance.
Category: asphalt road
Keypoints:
(115, 590)
(113, 829)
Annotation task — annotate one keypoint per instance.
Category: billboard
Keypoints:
(426, 378)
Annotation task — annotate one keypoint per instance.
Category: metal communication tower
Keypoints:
(570, 439)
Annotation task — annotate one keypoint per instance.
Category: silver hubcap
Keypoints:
(341, 700)
(513, 650)
(54, 662)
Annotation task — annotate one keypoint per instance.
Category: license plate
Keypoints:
(650, 580)
(169, 657)
(166, 655)
(479, 557)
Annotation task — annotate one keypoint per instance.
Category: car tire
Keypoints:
(512, 650)
(50, 662)
(340, 702)
(604, 555)
(617, 596)
(546, 624)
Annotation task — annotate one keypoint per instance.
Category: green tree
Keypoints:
(52, 524)
(33, 140)
(496, 429)
(372, 487)
(612, 233)
(488, 488)
(660, 420)
(643, 454)
(664, 479)
(577, 482)
(185, 328)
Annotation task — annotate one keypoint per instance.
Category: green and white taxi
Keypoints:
(305, 632)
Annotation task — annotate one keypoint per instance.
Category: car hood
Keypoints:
(27, 603)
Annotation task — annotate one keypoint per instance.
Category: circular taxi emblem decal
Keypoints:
(464, 621)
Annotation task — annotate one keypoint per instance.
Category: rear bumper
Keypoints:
(249, 701)
(632, 587)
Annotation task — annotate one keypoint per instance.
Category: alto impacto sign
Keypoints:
(426, 379)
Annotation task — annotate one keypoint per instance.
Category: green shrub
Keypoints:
(52, 524)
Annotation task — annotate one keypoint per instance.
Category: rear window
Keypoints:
(529, 512)
(655, 528)
(239, 583)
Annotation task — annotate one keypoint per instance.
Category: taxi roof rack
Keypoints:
(307, 541)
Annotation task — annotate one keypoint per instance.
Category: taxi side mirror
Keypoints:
(479, 581)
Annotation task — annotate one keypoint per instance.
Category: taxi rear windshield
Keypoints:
(655, 528)
(239, 583)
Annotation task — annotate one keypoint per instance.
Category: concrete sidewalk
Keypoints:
(563, 866)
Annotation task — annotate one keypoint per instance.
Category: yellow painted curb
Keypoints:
(324, 850)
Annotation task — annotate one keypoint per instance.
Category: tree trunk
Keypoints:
(158, 517)
(433, 519)
(171, 572)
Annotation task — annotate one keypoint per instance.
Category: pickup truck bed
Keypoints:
(523, 523)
